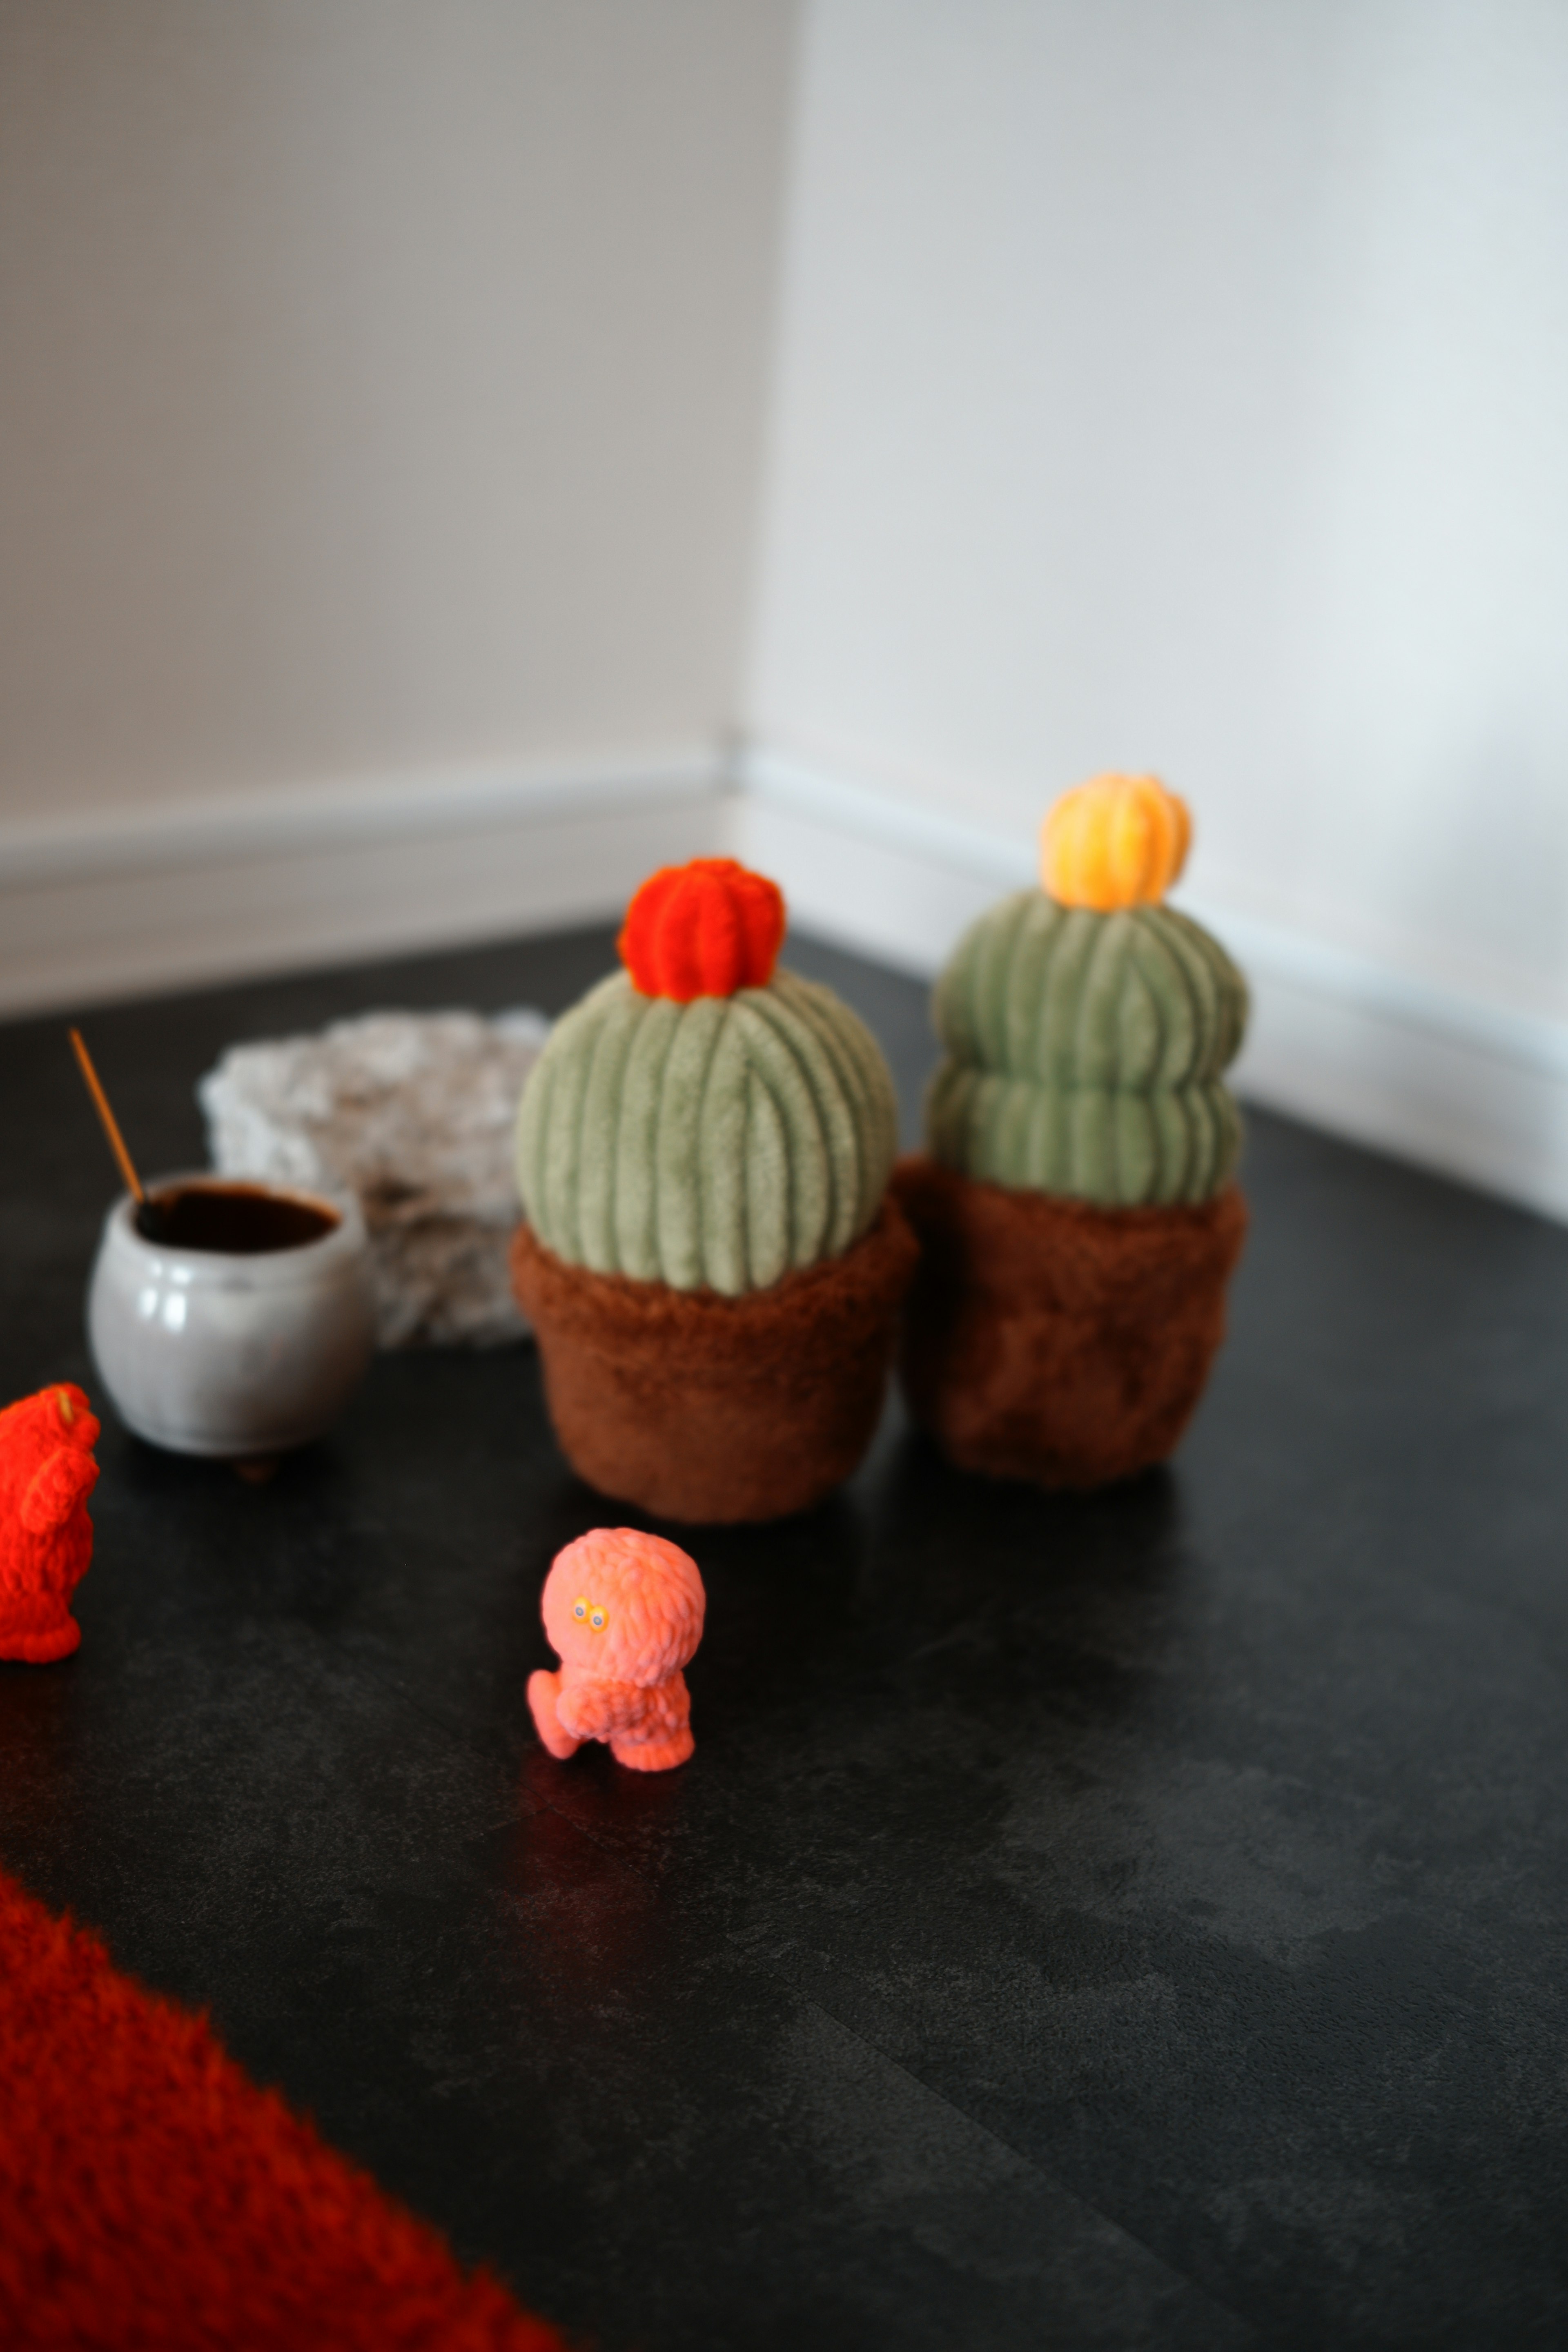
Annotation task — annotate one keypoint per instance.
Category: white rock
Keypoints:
(414, 1112)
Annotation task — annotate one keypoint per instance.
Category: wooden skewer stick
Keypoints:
(100, 1104)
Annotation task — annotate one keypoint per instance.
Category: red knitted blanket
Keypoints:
(152, 2196)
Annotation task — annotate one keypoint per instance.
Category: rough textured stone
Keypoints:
(414, 1112)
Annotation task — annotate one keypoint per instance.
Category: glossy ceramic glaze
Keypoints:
(236, 1356)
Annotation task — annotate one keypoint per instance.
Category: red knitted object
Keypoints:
(151, 2197)
(47, 1473)
(704, 929)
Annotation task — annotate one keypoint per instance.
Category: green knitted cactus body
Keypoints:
(719, 1143)
(1114, 1147)
(1084, 1053)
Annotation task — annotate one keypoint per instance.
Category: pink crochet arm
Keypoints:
(544, 1690)
(590, 1709)
(661, 1734)
(669, 1708)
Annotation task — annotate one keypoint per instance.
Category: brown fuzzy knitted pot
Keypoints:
(1049, 1339)
(710, 1409)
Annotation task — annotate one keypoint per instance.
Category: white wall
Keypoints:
(1183, 383)
(381, 388)
(1176, 383)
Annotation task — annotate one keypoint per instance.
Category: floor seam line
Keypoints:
(768, 1969)
(1000, 2140)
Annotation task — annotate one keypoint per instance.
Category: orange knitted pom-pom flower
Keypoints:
(1116, 840)
(704, 929)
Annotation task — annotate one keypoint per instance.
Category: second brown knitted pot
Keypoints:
(1049, 1339)
(710, 1409)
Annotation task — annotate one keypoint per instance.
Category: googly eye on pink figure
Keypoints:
(624, 1611)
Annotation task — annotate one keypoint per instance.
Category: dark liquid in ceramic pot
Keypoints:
(239, 1220)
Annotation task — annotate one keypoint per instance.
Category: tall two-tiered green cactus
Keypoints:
(701, 1135)
(1085, 1040)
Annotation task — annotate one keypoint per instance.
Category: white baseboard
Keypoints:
(1472, 1089)
(182, 894)
(871, 873)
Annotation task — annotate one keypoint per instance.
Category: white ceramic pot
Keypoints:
(234, 1355)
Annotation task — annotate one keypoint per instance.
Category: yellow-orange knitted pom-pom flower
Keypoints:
(1116, 840)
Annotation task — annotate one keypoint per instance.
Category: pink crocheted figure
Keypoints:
(624, 1610)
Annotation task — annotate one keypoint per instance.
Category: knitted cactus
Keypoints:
(718, 1139)
(1084, 1048)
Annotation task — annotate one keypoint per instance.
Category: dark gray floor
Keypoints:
(1136, 1921)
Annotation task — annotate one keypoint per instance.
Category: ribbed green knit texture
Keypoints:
(719, 1143)
(1084, 1054)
